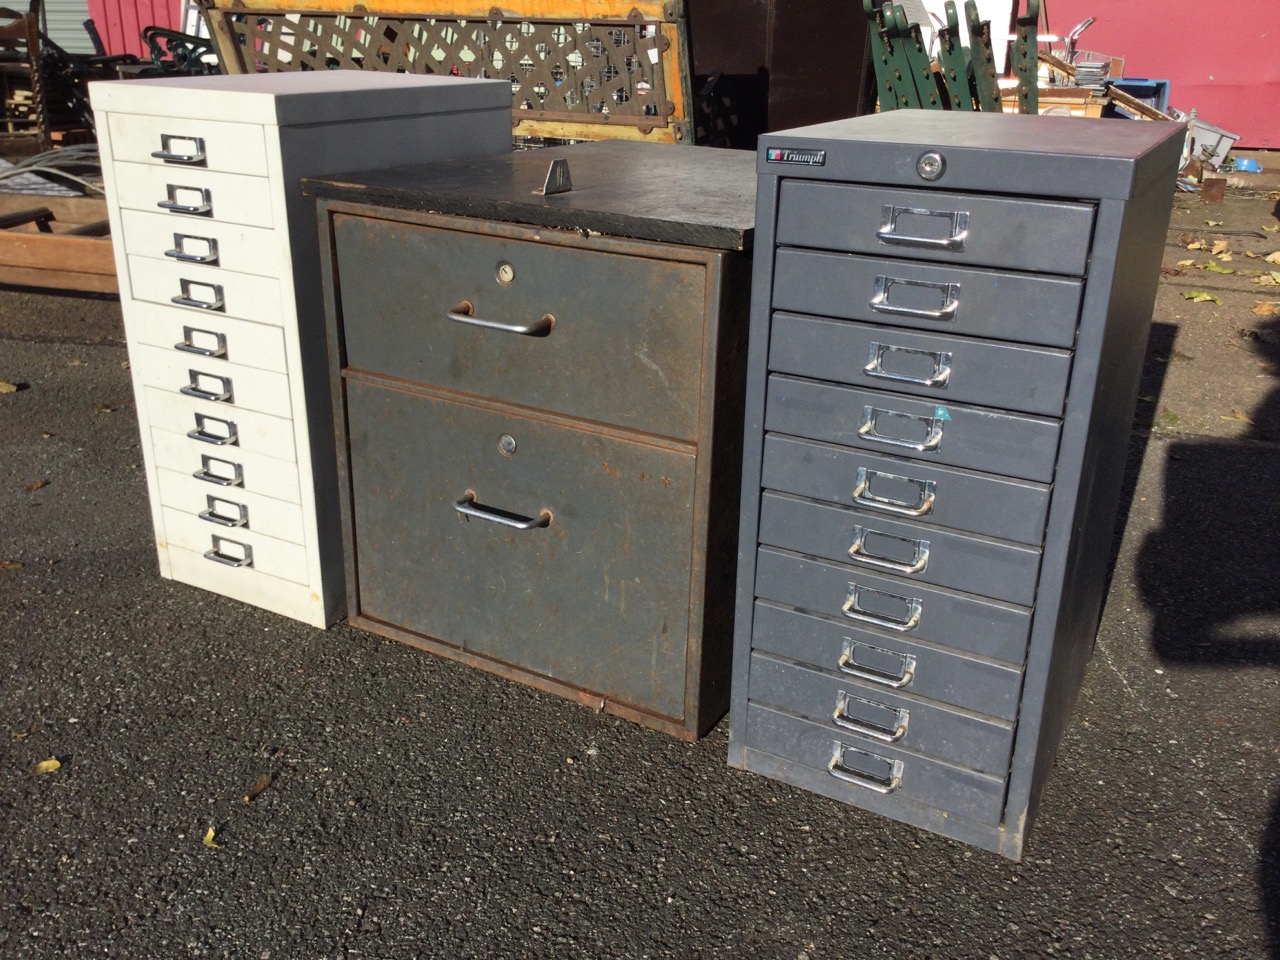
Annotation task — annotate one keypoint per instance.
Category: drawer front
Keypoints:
(231, 246)
(1013, 445)
(950, 369)
(188, 144)
(240, 549)
(597, 598)
(192, 197)
(888, 662)
(227, 470)
(199, 291)
(1039, 235)
(207, 336)
(625, 347)
(232, 511)
(992, 568)
(227, 384)
(876, 770)
(219, 426)
(925, 296)
(247, 585)
(892, 487)
(876, 716)
(894, 607)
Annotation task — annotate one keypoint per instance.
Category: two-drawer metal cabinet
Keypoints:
(948, 323)
(539, 411)
(219, 276)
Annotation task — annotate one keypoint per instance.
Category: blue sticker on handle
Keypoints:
(940, 413)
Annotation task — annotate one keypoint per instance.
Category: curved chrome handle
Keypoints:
(465, 313)
(202, 209)
(848, 663)
(858, 552)
(245, 558)
(887, 784)
(469, 507)
(217, 304)
(888, 232)
(241, 519)
(879, 302)
(188, 345)
(941, 365)
(841, 718)
(863, 496)
(868, 430)
(229, 438)
(179, 251)
(853, 609)
(195, 157)
(198, 392)
(207, 473)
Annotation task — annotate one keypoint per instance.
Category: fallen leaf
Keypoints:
(1267, 279)
(1272, 229)
(1225, 257)
(10, 565)
(1219, 246)
(1186, 263)
(104, 408)
(1213, 223)
(1199, 296)
(259, 785)
(1197, 245)
(1272, 257)
(31, 731)
(33, 487)
(1214, 268)
(1253, 256)
(1266, 308)
(8, 387)
(1237, 415)
(209, 838)
(46, 434)
(46, 766)
(75, 363)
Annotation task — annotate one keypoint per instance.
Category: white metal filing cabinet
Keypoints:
(948, 323)
(217, 255)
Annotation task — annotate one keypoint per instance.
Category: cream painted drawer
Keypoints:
(206, 291)
(208, 336)
(232, 510)
(231, 246)
(206, 378)
(247, 585)
(192, 195)
(218, 425)
(226, 469)
(188, 143)
(236, 548)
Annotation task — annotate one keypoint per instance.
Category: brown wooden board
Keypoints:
(60, 259)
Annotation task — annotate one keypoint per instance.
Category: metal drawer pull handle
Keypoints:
(245, 559)
(215, 504)
(195, 156)
(950, 299)
(837, 768)
(217, 304)
(854, 610)
(859, 553)
(468, 507)
(941, 365)
(848, 663)
(465, 313)
(841, 718)
(202, 209)
(868, 430)
(188, 345)
(863, 496)
(196, 389)
(206, 473)
(888, 232)
(229, 437)
(179, 251)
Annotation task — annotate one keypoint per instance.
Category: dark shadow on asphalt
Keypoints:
(1269, 880)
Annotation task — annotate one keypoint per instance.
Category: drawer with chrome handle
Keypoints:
(187, 143)
(232, 508)
(884, 486)
(1049, 236)
(211, 379)
(192, 196)
(256, 345)
(993, 568)
(888, 661)
(226, 468)
(231, 246)
(940, 298)
(869, 773)
(193, 288)
(892, 606)
(236, 547)
(994, 441)
(218, 425)
(954, 369)
(881, 715)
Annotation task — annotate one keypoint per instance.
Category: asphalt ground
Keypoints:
(419, 808)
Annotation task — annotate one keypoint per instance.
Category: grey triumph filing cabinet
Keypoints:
(949, 315)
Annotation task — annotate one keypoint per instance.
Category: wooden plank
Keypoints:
(58, 280)
(88, 255)
(64, 209)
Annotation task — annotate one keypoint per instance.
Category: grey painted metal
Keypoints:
(937, 297)
(790, 601)
(992, 568)
(63, 23)
(959, 369)
(893, 487)
(954, 228)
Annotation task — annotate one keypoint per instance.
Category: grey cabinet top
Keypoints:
(699, 196)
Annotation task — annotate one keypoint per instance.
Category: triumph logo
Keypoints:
(812, 158)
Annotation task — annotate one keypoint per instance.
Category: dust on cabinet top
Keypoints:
(697, 196)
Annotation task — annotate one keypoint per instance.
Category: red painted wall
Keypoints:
(120, 22)
(1223, 60)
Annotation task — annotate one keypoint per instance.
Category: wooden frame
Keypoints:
(73, 252)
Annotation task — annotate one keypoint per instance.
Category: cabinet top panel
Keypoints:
(997, 153)
(699, 196)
